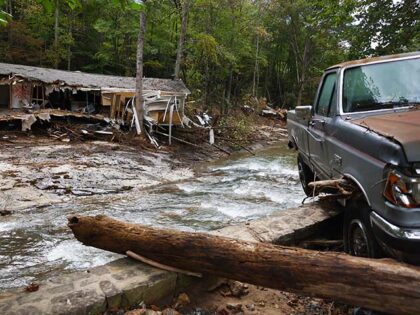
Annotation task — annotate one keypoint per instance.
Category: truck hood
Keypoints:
(403, 127)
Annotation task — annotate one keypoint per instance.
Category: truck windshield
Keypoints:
(380, 86)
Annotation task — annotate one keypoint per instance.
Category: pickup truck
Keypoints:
(364, 127)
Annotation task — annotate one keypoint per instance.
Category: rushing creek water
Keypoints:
(36, 244)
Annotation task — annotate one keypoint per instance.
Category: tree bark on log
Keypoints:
(382, 285)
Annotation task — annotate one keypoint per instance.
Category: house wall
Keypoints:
(21, 94)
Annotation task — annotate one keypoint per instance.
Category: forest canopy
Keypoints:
(275, 49)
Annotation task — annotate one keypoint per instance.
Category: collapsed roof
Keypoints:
(77, 79)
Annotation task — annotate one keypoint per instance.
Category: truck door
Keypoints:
(318, 151)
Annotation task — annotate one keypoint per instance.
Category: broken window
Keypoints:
(38, 95)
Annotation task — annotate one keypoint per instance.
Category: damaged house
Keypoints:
(44, 92)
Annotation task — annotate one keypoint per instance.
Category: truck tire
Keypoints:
(358, 237)
(305, 175)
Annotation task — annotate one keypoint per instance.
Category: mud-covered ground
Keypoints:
(226, 297)
(261, 301)
(37, 172)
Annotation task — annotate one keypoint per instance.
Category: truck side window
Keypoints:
(327, 95)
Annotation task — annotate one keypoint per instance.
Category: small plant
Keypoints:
(236, 128)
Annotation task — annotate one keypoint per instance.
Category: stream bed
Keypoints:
(35, 242)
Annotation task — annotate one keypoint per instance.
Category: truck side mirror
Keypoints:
(304, 112)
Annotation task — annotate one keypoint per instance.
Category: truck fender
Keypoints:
(355, 181)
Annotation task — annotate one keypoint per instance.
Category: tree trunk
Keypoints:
(229, 88)
(69, 46)
(181, 41)
(305, 61)
(382, 285)
(256, 77)
(256, 70)
(56, 16)
(9, 28)
(232, 44)
(139, 73)
(9, 7)
(299, 95)
(207, 85)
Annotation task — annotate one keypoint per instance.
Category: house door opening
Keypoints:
(4, 97)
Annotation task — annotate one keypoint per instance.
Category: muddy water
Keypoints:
(35, 243)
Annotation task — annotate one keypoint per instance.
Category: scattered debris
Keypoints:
(223, 312)
(248, 109)
(234, 307)
(153, 310)
(33, 287)
(235, 289)
(170, 311)
(204, 119)
(274, 113)
(250, 307)
(182, 300)
(5, 212)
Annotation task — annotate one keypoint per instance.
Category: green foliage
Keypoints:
(237, 128)
(4, 16)
(281, 45)
(385, 27)
(49, 5)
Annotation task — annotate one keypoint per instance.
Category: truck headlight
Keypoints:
(402, 190)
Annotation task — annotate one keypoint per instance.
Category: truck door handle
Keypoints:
(313, 122)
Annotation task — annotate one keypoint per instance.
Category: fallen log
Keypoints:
(382, 285)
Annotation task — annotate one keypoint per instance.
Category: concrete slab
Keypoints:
(121, 283)
(285, 227)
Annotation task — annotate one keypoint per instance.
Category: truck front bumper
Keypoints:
(404, 243)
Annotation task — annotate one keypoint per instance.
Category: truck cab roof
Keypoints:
(374, 59)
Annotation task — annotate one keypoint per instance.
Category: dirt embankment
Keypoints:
(227, 297)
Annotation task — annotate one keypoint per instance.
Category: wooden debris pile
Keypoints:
(66, 126)
(65, 132)
(270, 112)
(335, 188)
(252, 104)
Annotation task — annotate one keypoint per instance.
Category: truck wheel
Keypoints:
(358, 236)
(305, 175)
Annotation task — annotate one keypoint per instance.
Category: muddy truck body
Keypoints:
(364, 126)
